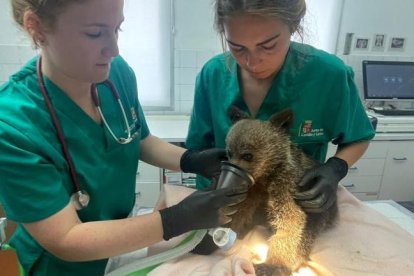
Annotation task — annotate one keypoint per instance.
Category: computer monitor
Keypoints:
(388, 80)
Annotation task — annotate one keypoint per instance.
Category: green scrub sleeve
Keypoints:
(28, 183)
(144, 127)
(200, 131)
(352, 124)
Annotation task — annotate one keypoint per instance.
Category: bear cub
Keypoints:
(264, 149)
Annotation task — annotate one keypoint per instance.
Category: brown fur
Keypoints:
(264, 149)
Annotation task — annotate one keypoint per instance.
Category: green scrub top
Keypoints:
(317, 86)
(34, 178)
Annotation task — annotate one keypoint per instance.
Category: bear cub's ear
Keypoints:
(282, 119)
(235, 114)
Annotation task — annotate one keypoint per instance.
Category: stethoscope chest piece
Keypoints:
(80, 199)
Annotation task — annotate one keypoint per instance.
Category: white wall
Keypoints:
(369, 17)
(194, 25)
(10, 34)
(194, 30)
(145, 42)
(15, 47)
(321, 23)
(196, 40)
(365, 18)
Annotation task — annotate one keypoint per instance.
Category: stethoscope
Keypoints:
(80, 198)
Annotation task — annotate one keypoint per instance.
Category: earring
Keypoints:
(39, 40)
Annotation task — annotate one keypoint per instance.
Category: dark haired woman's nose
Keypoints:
(252, 61)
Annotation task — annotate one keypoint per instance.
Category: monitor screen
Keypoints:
(388, 80)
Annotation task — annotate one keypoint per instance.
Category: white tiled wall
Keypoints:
(12, 57)
(187, 64)
(186, 67)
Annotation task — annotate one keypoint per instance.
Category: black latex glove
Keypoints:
(206, 163)
(206, 246)
(202, 209)
(319, 185)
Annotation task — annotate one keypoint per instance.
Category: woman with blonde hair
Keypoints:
(71, 134)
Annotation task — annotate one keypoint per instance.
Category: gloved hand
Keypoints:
(202, 209)
(318, 186)
(206, 163)
(206, 246)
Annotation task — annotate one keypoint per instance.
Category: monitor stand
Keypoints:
(395, 105)
(393, 108)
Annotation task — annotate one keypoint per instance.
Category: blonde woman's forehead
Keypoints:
(94, 12)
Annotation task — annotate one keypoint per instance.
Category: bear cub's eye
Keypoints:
(247, 157)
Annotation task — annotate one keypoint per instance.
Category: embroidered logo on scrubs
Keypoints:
(134, 127)
(306, 130)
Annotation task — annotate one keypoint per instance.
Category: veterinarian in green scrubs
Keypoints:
(71, 133)
(265, 72)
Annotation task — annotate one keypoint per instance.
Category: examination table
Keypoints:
(364, 242)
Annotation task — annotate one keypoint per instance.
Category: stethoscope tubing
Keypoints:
(95, 99)
(81, 198)
(56, 125)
